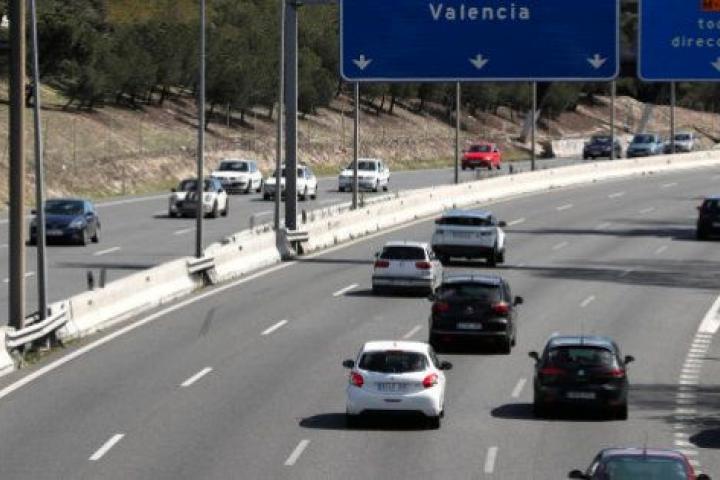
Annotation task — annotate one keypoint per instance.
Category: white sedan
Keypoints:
(406, 265)
(394, 376)
(239, 176)
(373, 174)
(307, 184)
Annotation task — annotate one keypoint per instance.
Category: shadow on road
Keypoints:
(339, 261)
(709, 438)
(337, 421)
(673, 231)
(524, 411)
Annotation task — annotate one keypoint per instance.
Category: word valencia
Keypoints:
(512, 12)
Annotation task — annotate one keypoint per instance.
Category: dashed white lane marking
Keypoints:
(711, 322)
(603, 226)
(518, 388)
(274, 327)
(625, 273)
(567, 206)
(343, 291)
(295, 455)
(668, 185)
(660, 249)
(587, 301)
(647, 210)
(106, 251)
(616, 195)
(517, 221)
(490, 459)
(183, 231)
(27, 275)
(560, 245)
(412, 332)
(100, 452)
(196, 377)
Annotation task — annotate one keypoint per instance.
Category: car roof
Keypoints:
(585, 340)
(406, 243)
(457, 212)
(67, 199)
(383, 345)
(636, 451)
(369, 160)
(471, 277)
(712, 197)
(482, 143)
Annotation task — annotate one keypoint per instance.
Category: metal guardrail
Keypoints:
(199, 265)
(297, 236)
(37, 329)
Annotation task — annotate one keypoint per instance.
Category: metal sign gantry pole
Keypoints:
(613, 94)
(356, 144)
(673, 101)
(291, 120)
(281, 110)
(200, 186)
(457, 132)
(533, 123)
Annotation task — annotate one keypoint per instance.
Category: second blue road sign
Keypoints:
(456, 40)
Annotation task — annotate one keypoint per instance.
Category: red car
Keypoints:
(637, 463)
(485, 155)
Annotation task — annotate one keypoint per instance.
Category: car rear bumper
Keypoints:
(709, 227)
(457, 334)
(402, 282)
(347, 184)
(567, 395)
(361, 400)
(234, 186)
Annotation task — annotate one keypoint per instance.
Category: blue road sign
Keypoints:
(679, 40)
(467, 40)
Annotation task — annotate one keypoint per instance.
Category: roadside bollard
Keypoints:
(103, 277)
(511, 169)
(90, 280)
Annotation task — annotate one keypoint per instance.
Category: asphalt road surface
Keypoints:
(245, 381)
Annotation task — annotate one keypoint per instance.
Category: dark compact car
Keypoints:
(474, 307)
(708, 222)
(601, 146)
(639, 463)
(68, 219)
(581, 370)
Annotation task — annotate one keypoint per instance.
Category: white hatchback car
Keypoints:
(394, 376)
(307, 184)
(406, 265)
(239, 176)
(373, 175)
(469, 234)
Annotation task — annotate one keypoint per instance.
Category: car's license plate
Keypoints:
(469, 326)
(581, 395)
(54, 233)
(391, 387)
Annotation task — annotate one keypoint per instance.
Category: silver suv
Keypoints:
(469, 234)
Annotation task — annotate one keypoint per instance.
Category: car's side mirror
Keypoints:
(519, 301)
(577, 474)
(703, 476)
(629, 359)
(348, 363)
(445, 365)
(534, 356)
(502, 223)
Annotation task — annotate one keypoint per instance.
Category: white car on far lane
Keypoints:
(307, 184)
(406, 265)
(395, 376)
(373, 174)
(239, 176)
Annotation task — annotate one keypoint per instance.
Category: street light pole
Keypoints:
(457, 132)
(533, 124)
(356, 144)
(291, 97)
(281, 112)
(613, 94)
(200, 185)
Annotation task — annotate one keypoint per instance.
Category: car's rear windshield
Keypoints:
(602, 140)
(581, 355)
(403, 253)
(393, 362)
(372, 166)
(466, 221)
(643, 139)
(233, 167)
(683, 137)
(711, 206)
(469, 291)
(650, 467)
(480, 148)
(189, 185)
(64, 207)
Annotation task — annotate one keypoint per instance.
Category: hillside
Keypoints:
(115, 151)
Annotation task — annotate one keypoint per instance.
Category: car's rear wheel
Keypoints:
(434, 342)
(260, 187)
(304, 195)
(376, 187)
(266, 196)
(433, 422)
(540, 410)
(464, 167)
(215, 211)
(315, 194)
(489, 166)
(501, 256)
(226, 210)
(83, 237)
(492, 259)
(386, 186)
(249, 188)
(621, 412)
(96, 237)
(700, 234)
(506, 345)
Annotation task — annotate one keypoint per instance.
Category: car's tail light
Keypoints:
(423, 265)
(440, 307)
(382, 264)
(551, 371)
(501, 308)
(615, 373)
(356, 379)
(430, 381)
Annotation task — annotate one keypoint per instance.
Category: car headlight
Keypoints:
(77, 223)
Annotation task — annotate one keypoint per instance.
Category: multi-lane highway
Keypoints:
(245, 381)
(137, 233)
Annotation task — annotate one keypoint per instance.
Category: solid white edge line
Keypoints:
(106, 447)
(196, 377)
(343, 291)
(412, 332)
(518, 388)
(270, 330)
(711, 322)
(516, 222)
(490, 459)
(295, 455)
(106, 251)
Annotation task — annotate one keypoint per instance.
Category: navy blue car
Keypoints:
(68, 219)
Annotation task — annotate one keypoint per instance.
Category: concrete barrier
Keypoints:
(245, 252)
(6, 362)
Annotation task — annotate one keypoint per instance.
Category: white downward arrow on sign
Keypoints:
(716, 64)
(479, 61)
(597, 61)
(362, 62)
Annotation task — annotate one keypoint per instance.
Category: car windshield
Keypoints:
(233, 167)
(600, 140)
(402, 253)
(682, 137)
(189, 186)
(643, 139)
(480, 148)
(711, 206)
(469, 291)
(641, 468)
(371, 166)
(581, 355)
(466, 221)
(64, 207)
(393, 362)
